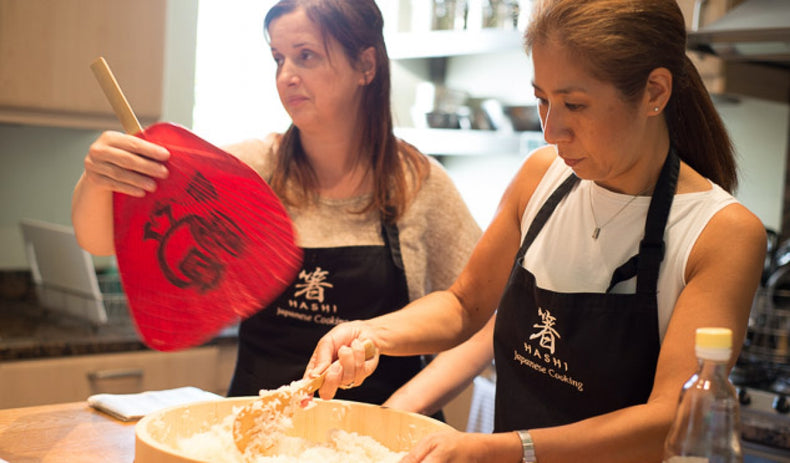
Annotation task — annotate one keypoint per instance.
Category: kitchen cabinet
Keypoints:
(74, 378)
(726, 77)
(46, 48)
(449, 57)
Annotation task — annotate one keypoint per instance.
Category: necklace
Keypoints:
(597, 230)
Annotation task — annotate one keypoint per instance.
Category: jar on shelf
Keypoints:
(449, 14)
(500, 14)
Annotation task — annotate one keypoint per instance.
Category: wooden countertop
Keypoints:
(71, 432)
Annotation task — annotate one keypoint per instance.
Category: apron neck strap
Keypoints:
(651, 248)
(545, 212)
(647, 263)
(389, 231)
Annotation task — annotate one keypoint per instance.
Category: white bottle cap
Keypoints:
(713, 344)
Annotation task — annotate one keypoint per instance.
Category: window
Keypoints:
(235, 93)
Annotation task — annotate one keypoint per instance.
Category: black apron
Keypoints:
(333, 286)
(564, 357)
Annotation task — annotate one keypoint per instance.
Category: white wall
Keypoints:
(759, 131)
(235, 93)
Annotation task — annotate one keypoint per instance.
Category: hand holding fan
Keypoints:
(211, 245)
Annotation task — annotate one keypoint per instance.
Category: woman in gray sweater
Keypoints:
(380, 223)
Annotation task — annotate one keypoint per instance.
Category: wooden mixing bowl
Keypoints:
(156, 434)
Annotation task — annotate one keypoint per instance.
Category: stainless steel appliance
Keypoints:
(765, 424)
(762, 372)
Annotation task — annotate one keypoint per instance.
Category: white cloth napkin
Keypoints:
(128, 407)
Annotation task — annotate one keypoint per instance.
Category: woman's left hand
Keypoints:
(457, 447)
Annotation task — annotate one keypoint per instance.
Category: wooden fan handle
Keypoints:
(115, 96)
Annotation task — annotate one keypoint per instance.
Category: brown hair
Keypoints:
(621, 42)
(357, 25)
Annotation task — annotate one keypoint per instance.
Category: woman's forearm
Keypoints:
(91, 216)
(431, 324)
(631, 434)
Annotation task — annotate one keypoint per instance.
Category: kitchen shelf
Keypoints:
(437, 44)
(470, 142)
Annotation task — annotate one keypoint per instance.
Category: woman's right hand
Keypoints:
(115, 162)
(344, 343)
(125, 163)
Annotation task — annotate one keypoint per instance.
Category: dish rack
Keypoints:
(114, 298)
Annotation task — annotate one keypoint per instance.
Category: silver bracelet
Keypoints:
(527, 447)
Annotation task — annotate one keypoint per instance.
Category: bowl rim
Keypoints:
(144, 437)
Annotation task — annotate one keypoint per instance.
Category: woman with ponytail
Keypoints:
(609, 248)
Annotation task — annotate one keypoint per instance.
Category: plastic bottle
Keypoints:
(707, 423)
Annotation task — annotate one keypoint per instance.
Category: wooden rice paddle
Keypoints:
(252, 419)
(211, 245)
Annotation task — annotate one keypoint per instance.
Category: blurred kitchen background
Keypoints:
(461, 92)
(204, 64)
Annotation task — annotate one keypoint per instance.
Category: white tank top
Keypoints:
(565, 258)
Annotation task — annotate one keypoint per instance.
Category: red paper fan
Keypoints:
(213, 244)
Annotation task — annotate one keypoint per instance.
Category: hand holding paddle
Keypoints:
(269, 408)
(211, 245)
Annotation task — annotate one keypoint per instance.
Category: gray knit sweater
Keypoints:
(437, 231)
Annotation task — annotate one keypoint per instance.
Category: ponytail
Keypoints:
(697, 131)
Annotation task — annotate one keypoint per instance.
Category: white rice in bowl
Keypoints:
(217, 446)
(273, 421)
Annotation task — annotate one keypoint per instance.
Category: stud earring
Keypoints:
(656, 109)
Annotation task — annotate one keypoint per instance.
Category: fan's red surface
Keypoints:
(212, 245)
